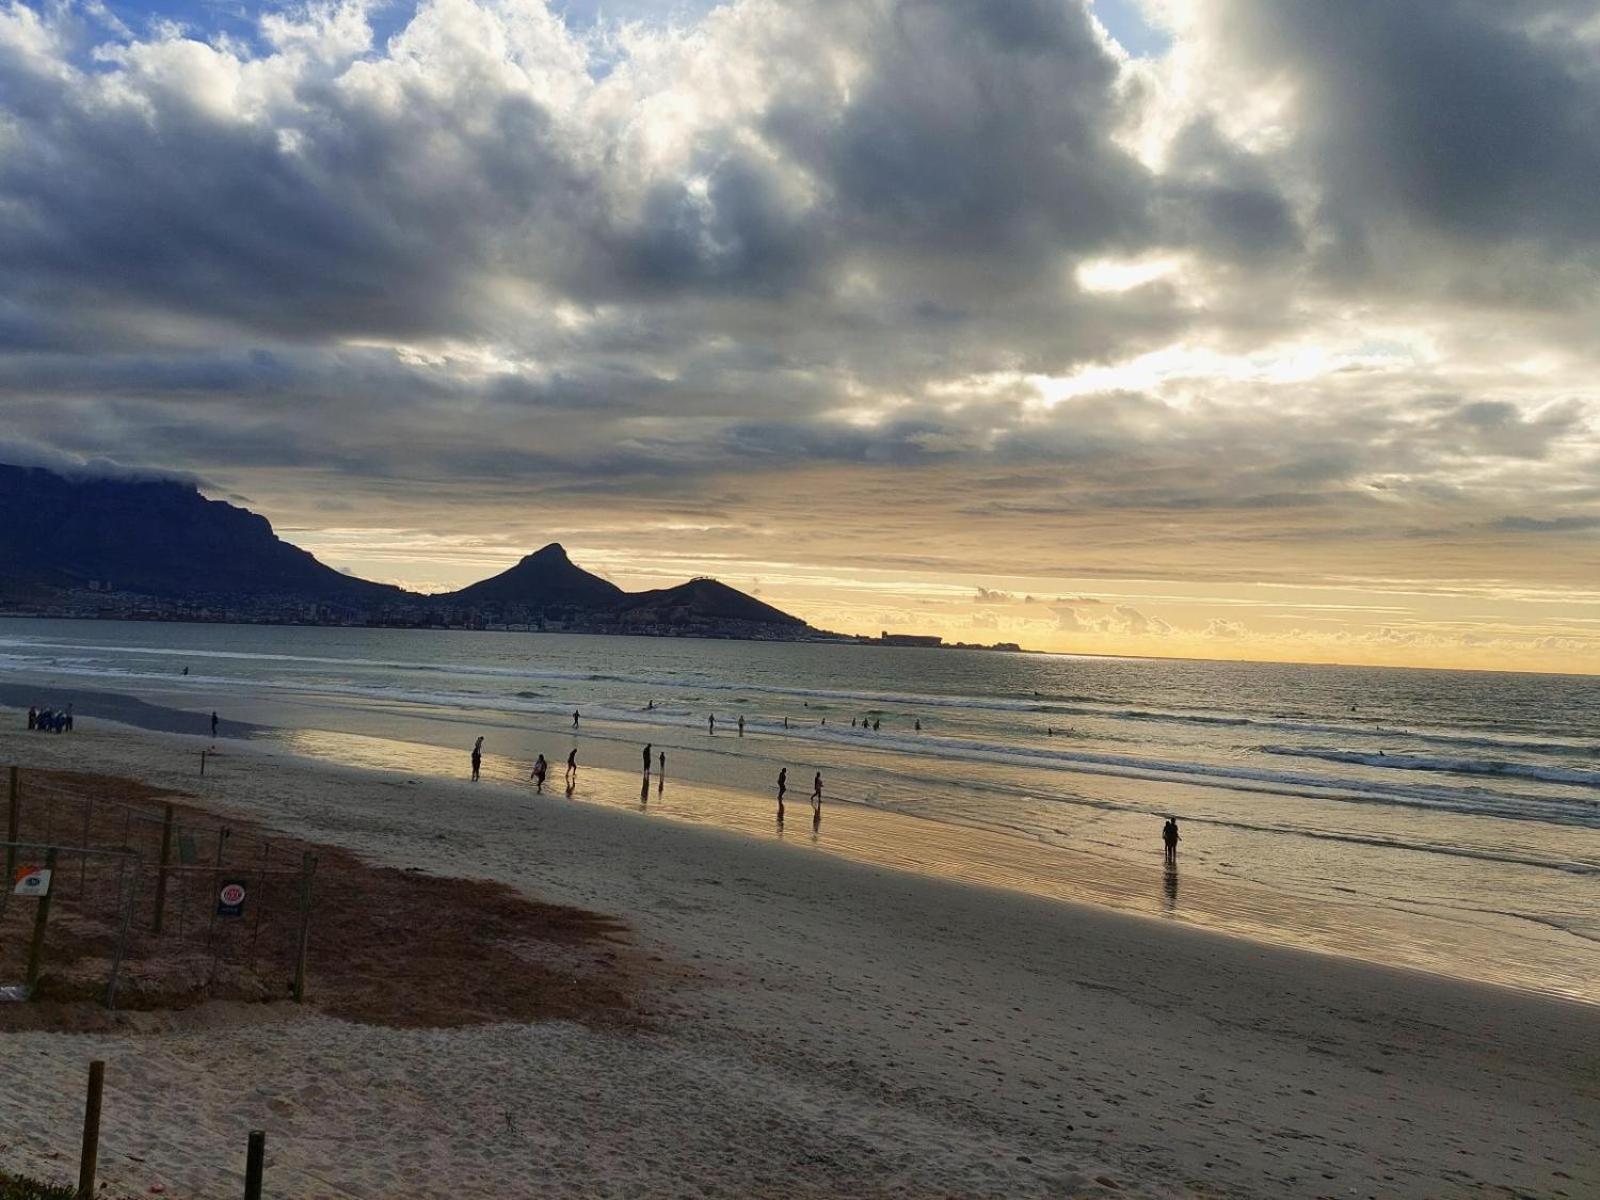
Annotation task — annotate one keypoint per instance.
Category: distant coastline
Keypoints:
(762, 634)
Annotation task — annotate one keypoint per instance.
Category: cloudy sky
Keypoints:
(1223, 329)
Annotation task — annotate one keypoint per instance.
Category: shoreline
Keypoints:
(853, 1030)
(1353, 928)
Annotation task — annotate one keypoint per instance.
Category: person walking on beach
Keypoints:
(213, 724)
(783, 784)
(540, 770)
(741, 724)
(711, 724)
(816, 794)
(647, 758)
(477, 758)
(572, 766)
(662, 762)
(574, 718)
(1170, 838)
(33, 717)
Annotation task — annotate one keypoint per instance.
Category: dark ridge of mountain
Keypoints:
(152, 548)
(154, 537)
(545, 578)
(698, 602)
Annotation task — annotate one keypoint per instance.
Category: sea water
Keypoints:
(1464, 807)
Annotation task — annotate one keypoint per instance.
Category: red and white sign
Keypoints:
(32, 881)
(232, 893)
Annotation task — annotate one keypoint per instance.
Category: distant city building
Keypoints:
(909, 639)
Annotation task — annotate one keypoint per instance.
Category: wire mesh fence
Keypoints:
(147, 901)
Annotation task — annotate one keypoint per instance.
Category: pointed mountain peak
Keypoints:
(554, 552)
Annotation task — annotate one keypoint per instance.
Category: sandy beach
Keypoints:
(822, 1027)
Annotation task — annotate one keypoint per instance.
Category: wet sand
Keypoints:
(849, 1029)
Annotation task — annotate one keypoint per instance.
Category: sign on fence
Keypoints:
(230, 898)
(32, 881)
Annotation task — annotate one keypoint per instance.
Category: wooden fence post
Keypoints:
(308, 863)
(91, 1132)
(255, 1164)
(161, 874)
(13, 823)
(40, 917)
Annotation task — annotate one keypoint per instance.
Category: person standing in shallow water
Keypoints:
(477, 758)
(540, 770)
(741, 725)
(1170, 838)
(572, 767)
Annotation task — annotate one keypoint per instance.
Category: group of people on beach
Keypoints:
(816, 795)
(48, 720)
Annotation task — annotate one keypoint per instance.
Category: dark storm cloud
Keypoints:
(1468, 125)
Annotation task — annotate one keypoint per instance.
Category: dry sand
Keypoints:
(841, 1029)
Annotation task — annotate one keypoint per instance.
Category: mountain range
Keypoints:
(64, 538)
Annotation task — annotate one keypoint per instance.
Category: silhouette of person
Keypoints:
(213, 724)
(919, 726)
(852, 722)
(540, 770)
(711, 724)
(186, 670)
(783, 784)
(650, 705)
(33, 717)
(572, 769)
(816, 793)
(477, 758)
(786, 722)
(1170, 838)
(662, 761)
(875, 725)
(647, 758)
(741, 724)
(574, 718)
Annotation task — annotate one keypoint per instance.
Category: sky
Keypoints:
(1215, 329)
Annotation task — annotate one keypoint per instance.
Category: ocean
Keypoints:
(1447, 820)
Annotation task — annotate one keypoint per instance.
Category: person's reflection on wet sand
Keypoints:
(1169, 885)
(644, 790)
(572, 783)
